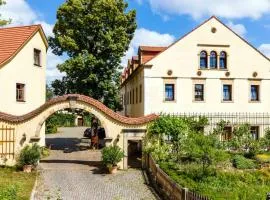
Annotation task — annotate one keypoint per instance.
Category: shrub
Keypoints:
(175, 130)
(29, 155)
(263, 158)
(59, 120)
(9, 193)
(203, 149)
(45, 152)
(240, 162)
(112, 155)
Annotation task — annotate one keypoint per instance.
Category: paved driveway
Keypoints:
(71, 172)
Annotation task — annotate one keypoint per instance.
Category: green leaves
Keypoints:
(29, 155)
(112, 155)
(95, 35)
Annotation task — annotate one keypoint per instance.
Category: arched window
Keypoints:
(213, 60)
(203, 60)
(223, 60)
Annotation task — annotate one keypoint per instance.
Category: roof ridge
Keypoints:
(23, 26)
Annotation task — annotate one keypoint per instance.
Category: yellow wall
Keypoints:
(135, 109)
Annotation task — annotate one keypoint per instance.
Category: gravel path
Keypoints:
(73, 173)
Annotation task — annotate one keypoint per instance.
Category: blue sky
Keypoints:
(160, 22)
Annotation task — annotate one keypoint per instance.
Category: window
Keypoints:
(169, 92)
(254, 92)
(20, 93)
(203, 60)
(130, 97)
(37, 60)
(199, 92)
(254, 130)
(140, 93)
(223, 60)
(213, 60)
(227, 92)
(227, 133)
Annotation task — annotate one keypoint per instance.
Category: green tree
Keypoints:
(49, 92)
(95, 34)
(203, 149)
(2, 21)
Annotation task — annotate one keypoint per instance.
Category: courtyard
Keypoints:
(74, 172)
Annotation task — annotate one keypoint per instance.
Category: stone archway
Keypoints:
(118, 128)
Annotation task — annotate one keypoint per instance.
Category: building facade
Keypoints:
(209, 70)
(23, 53)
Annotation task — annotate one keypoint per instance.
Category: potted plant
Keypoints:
(29, 157)
(111, 156)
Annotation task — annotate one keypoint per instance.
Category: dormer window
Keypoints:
(213, 60)
(223, 60)
(203, 60)
(37, 57)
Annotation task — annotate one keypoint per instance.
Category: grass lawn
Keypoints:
(23, 182)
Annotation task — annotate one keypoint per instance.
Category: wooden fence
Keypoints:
(165, 185)
(7, 142)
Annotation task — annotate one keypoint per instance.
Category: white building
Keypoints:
(23, 53)
(209, 70)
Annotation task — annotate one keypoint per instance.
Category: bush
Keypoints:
(9, 193)
(59, 120)
(45, 152)
(263, 158)
(240, 162)
(112, 155)
(29, 155)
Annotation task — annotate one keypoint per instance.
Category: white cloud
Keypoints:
(240, 29)
(265, 49)
(52, 61)
(21, 13)
(48, 28)
(223, 8)
(146, 37)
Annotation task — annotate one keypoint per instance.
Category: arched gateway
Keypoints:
(17, 131)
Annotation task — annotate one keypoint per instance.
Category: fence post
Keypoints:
(185, 194)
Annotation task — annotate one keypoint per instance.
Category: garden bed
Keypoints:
(16, 184)
(219, 184)
(237, 168)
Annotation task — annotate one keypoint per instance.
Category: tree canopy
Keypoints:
(95, 34)
(2, 21)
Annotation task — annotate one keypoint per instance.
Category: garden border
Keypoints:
(164, 185)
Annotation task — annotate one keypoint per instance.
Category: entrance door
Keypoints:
(80, 122)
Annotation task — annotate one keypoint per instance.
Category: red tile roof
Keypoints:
(149, 52)
(13, 39)
(152, 48)
(84, 99)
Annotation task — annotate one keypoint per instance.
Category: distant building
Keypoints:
(209, 70)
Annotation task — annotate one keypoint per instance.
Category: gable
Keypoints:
(183, 54)
(13, 39)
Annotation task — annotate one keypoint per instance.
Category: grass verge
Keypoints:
(16, 184)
